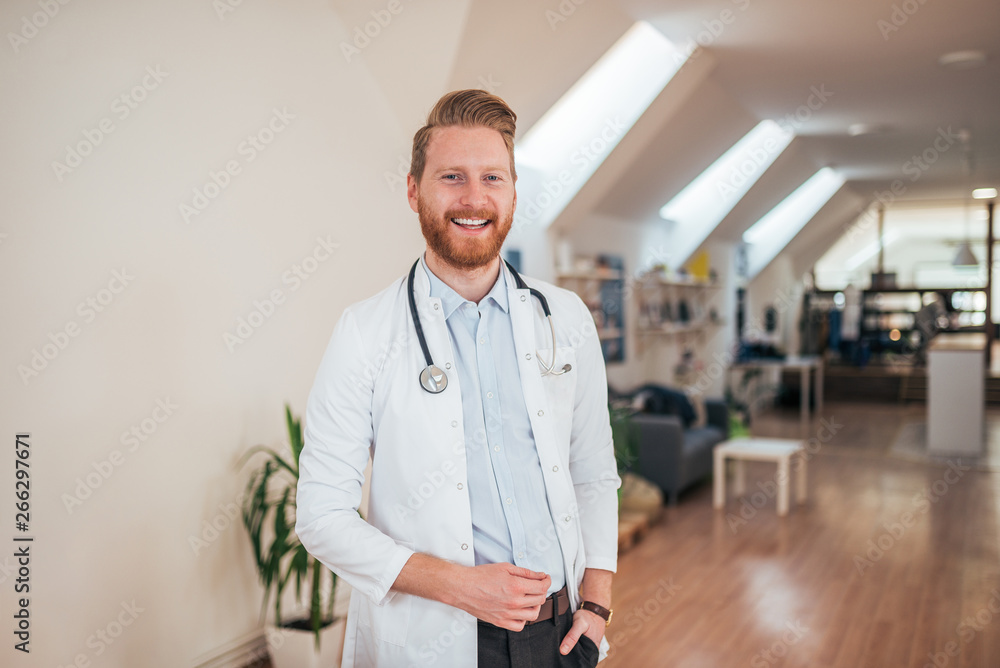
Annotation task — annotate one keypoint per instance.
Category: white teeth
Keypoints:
(470, 222)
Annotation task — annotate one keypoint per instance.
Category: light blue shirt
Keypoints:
(510, 512)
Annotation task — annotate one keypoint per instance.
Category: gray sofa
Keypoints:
(675, 457)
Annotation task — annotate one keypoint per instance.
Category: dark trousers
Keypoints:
(537, 646)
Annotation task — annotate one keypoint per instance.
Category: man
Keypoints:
(491, 531)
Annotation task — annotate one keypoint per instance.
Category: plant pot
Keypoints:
(293, 648)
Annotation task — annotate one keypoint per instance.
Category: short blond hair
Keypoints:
(468, 108)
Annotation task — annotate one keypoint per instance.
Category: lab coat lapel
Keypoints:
(525, 314)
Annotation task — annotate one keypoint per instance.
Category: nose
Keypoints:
(474, 194)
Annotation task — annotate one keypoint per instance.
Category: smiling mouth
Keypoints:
(471, 223)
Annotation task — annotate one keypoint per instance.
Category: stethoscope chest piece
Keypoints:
(433, 379)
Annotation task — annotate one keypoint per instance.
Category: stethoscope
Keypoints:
(434, 379)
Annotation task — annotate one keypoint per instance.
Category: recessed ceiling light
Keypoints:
(963, 60)
(984, 193)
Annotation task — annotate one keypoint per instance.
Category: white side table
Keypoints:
(777, 450)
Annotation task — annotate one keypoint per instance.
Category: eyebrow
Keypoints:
(495, 168)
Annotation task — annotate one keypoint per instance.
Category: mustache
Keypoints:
(486, 214)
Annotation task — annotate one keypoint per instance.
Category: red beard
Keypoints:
(464, 253)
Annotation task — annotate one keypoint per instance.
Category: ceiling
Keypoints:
(876, 65)
(854, 61)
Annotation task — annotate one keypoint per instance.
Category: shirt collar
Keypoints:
(451, 300)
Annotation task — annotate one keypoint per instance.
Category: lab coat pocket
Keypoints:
(392, 620)
(560, 388)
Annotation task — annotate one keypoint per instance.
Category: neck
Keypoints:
(471, 284)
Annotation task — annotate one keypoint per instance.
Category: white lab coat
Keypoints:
(367, 401)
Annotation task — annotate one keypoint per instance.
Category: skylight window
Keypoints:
(702, 205)
(567, 145)
(772, 233)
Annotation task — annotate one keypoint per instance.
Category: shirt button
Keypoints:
(482, 341)
(520, 555)
(454, 423)
(555, 468)
(497, 448)
(508, 500)
(465, 546)
(528, 356)
(567, 518)
(541, 413)
(461, 486)
(489, 395)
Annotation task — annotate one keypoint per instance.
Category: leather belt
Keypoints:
(555, 605)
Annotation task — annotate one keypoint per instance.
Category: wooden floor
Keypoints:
(890, 563)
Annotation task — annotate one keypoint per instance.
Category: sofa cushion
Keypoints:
(702, 438)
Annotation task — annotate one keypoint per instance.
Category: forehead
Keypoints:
(471, 147)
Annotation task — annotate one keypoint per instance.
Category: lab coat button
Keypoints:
(454, 423)
(555, 468)
(461, 486)
(523, 298)
(436, 307)
(465, 546)
(567, 518)
(541, 413)
(528, 356)
(447, 365)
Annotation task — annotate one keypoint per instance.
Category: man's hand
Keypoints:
(502, 594)
(585, 623)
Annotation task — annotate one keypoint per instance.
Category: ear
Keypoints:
(412, 192)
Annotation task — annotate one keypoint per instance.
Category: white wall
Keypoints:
(160, 338)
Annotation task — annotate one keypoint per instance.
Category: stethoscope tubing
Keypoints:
(432, 378)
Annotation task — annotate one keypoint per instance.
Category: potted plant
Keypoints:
(316, 638)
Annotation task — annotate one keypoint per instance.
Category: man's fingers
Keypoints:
(575, 631)
(526, 573)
